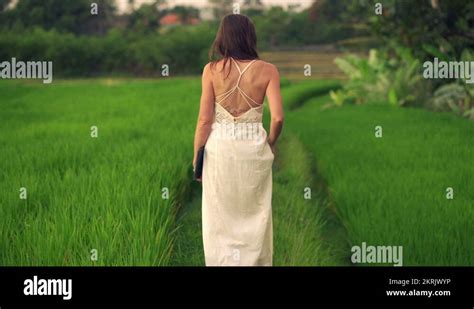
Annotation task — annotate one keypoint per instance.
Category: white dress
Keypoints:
(237, 186)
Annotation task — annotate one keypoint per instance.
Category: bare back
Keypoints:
(241, 86)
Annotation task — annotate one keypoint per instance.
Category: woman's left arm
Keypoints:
(206, 112)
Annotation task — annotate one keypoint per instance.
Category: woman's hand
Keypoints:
(272, 146)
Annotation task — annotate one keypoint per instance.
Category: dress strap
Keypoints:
(248, 65)
(236, 65)
(220, 98)
(241, 72)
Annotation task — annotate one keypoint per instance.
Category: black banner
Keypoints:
(420, 286)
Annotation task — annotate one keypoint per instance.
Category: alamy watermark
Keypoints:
(48, 287)
(449, 69)
(27, 70)
(377, 254)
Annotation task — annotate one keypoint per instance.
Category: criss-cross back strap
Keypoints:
(228, 93)
(238, 68)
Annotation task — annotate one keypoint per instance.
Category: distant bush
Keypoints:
(297, 94)
(394, 79)
(456, 96)
(184, 49)
(397, 79)
(278, 28)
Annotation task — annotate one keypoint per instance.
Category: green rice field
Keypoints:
(126, 197)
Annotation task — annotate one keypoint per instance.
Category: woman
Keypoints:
(238, 156)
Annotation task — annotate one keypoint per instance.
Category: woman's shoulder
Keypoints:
(211, 66)
(269, 67)
(208, 66)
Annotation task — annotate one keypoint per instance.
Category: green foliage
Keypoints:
(184, 49)
(340, 97)
(381, 78)
(277, 27)
(135, 43)
(456, 98)
(145, 19)
(427, 29)
(61, 15)
(439, 27)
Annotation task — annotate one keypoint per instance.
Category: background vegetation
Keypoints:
(411, 33)
(82, 44)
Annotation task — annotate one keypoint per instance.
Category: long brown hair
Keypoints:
(235, 38)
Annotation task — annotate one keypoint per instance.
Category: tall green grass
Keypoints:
(106, 193)
(392, 190)
(86, 193)
(302, 233)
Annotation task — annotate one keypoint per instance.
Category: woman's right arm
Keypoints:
(276, 106)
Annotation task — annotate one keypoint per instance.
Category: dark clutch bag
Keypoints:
(199, 163)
